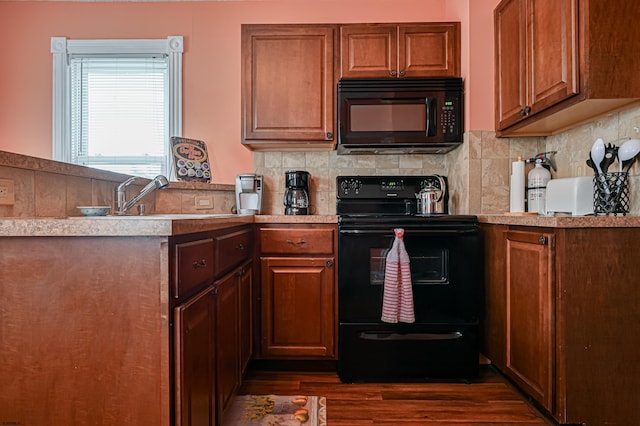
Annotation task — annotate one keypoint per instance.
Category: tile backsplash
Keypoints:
(478, 171)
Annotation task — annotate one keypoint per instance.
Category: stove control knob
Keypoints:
(352, 185)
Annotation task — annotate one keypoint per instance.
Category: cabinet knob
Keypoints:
(329, 135)
(543, 240)
(329, 263)
(402, 73)
(525, 111)
(393, 73)
(200, 264)
(240, 246)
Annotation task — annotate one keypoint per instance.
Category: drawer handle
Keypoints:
(296, 243)
(200, 264)
(240, 246)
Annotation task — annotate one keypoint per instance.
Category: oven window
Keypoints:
(429, 267)
(389, 118)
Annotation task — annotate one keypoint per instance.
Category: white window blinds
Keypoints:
(116, 103)
(119, 114)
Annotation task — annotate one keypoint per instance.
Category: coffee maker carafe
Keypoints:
(248, 194)
(296, 195)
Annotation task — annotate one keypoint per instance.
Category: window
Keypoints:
(116, 103)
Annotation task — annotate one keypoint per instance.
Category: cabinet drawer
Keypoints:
(296, 240)
(231, 249)
(193, 267)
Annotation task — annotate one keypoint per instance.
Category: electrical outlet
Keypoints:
(7, 192)
(204, 203)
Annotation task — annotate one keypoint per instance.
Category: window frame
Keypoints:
(63, 49)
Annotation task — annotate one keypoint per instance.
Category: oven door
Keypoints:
(446, 271)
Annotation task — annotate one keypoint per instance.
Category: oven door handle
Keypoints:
(366, 335)
(407, 232)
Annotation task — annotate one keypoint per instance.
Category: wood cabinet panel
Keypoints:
(553, 63)
(297, 241)
(536, 56)
(231, 249)
(529, 312)
(245, 302)
(494, 346)
(288, 86)
(85, 330)
(368, 50)
(591, 287)
(227, 340)
(429, 50)
(404, 50)
(194, 265)
(298, 306)
(194, 360)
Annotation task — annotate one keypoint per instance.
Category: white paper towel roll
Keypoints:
(517, 186)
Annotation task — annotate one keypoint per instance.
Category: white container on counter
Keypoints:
(570, 195)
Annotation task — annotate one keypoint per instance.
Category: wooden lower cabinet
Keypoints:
(561, 318)
(297, 307)
(298, 279)
(195, 360)
(529, 313)
(227, 340)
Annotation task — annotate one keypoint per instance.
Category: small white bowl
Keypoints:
(94, 210)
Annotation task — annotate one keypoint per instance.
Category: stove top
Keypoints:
(384, 197)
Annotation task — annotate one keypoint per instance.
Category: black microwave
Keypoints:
(407, 115)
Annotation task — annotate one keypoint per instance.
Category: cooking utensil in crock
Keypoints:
(597, 155)
(610, 155)
(628, 151)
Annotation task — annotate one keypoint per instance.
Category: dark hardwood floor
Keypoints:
(488, 400)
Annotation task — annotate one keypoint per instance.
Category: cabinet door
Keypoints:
(227, 340)
(510, 67)
(553, 55)
(536, 57)
(245, 296)
(429, 50)
(287, 85)
(195, 360)
(529, 313)
(413, 50)
(368, 51)
(298, 307)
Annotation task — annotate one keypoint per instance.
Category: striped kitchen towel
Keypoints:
(397, 300)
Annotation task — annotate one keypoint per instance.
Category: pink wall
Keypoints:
(211, 61)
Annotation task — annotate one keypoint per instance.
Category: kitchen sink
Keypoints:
(159, 216)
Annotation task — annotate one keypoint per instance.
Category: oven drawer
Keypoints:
(297, 240)
(407, 352)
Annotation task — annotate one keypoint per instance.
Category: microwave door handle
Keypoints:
(430, 131)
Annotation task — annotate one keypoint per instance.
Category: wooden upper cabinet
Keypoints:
(560, 63)
(406, 50)
(288, 86)
(536, 51)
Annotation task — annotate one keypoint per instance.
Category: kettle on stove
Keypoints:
(432, 197)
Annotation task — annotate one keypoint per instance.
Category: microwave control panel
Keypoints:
(449, 117)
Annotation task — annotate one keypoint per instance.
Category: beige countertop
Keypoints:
(168, 225)
(152, 225)
(563, 221)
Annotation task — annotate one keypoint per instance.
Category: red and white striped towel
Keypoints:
(397, 300)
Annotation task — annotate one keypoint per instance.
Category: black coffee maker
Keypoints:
(296, 196)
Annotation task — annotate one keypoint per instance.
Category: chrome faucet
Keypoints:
(122, 205)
